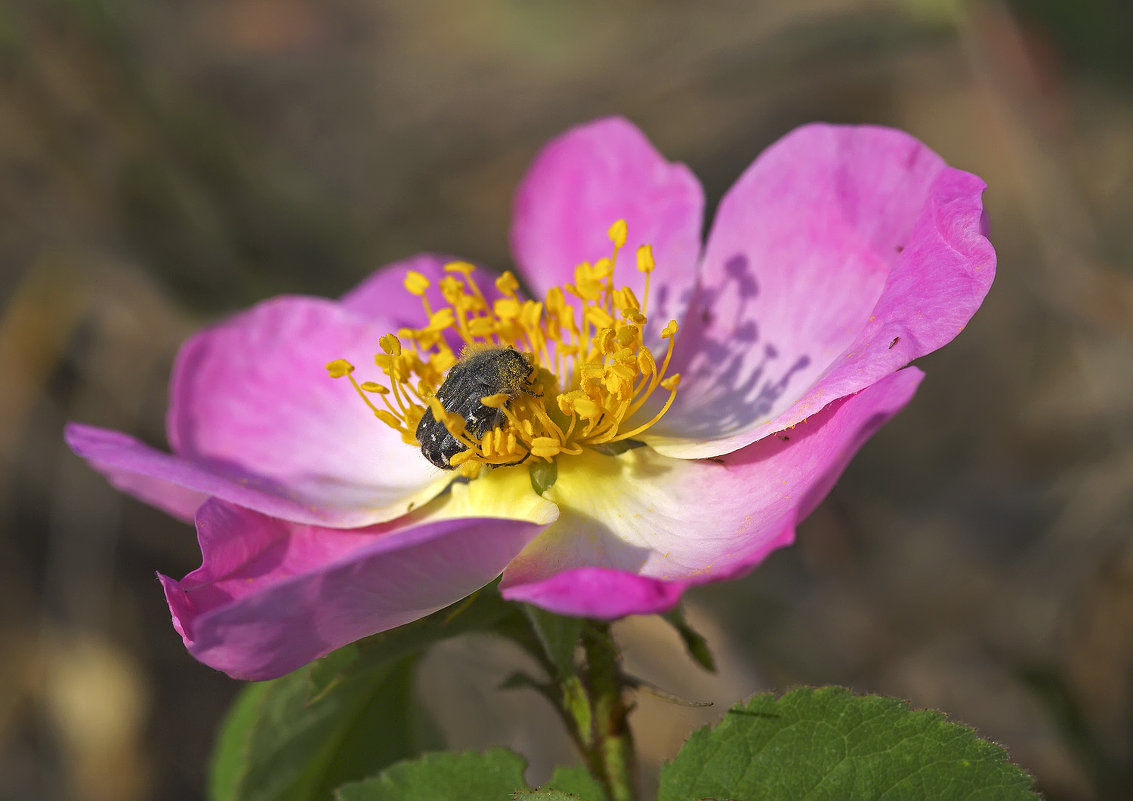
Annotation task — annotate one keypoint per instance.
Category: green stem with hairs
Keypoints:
(608, 746)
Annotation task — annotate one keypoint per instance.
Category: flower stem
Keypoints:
(608, 746)
(590, 696)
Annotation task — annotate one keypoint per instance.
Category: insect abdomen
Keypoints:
(481, 374)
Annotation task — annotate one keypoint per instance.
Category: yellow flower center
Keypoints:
(591, 360)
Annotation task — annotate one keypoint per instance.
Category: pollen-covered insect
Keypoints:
(478, 374)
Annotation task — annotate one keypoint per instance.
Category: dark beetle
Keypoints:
(478, 374)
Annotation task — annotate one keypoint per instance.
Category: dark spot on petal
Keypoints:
(894, 342)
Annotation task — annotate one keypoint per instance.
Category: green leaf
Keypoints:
(277, 743)
(694, 641)
(578, 783)
(346, 716)
(468, 776)
(324, 674)
(825, 743)
(228, 758)
(484, 611)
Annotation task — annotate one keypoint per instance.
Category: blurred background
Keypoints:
(165, 163)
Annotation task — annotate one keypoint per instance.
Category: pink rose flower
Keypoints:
(839, 256)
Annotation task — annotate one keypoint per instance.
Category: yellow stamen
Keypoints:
(584, 386)
(507, 284)
(645, 264)
(618, 233)
(415, 283)
(390, 344)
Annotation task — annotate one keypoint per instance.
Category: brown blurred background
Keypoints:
(163, 163)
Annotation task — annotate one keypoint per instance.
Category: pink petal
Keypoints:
(635, 530)
(179, 486)
(271, 596)
(126, 464)
(252, 395)
(601, 592)
(583, 182)
(839, 256)
(383, 295)
(255, 419)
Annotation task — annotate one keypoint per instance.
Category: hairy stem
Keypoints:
(608, 746)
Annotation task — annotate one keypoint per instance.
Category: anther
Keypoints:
(415, 283)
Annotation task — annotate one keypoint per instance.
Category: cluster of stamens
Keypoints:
(593, 362)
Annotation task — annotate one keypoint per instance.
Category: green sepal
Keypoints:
(617, 448)
(543, 475)
(559, 635)
(693, 640)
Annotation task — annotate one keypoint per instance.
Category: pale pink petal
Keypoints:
(632, 521)
(179, 486)
(383, 295)
(587, 179)
(271, 596)
(255, 419)
(252, 395)
(107, 451)
(839, 256)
